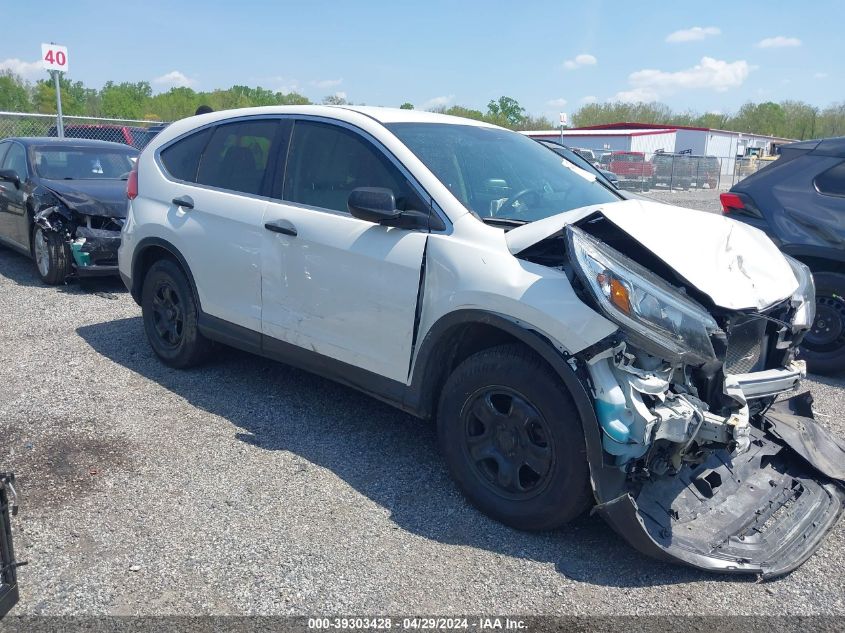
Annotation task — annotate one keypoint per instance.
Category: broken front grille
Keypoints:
(746, 345)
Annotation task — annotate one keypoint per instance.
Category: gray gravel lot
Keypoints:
(247, 487)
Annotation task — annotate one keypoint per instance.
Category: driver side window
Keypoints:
(16, 159)
(326, 162)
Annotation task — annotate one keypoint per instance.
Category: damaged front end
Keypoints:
(708, 468)
(91, 231)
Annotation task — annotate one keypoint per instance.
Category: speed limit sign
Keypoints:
(54, 57)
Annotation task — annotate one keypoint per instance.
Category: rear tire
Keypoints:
(512, 439)
(171, 315)
(824, 345)
(52, 256)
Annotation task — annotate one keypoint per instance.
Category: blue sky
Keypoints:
(551, 56)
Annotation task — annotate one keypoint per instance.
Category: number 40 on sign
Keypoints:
(54, 57)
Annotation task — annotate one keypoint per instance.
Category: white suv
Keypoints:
(575, 348)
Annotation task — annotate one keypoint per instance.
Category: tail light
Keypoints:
(132, 183)
(731, 202)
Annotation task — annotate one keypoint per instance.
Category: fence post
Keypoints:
(60, 126)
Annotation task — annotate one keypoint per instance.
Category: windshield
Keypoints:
(501, 174)
(82, 163)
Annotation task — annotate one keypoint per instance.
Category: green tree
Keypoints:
(291, 98)
(831, 121)
(460, 111)
(176, 103)
(407, 106)
(505, 111)
(335, 100)
(125, 100)
(75, 96)
(800, 119)
(14, 93)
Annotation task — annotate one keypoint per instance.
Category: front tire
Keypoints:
(512, 439)
(170, 315)
(52, 256)
(824, 345)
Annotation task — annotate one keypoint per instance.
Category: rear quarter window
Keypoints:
(237, 154)
(182, 158)
(832, 181)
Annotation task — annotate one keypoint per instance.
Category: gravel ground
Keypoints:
(247, 487)
(702, 199)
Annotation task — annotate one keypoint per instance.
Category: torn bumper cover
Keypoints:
(95, 251)
(764, 511)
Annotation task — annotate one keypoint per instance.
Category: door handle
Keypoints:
(281, 226)
(186, 202)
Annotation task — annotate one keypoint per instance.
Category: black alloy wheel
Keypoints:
(512, 438)
(823, 346)
(506, 439)
(171, 316)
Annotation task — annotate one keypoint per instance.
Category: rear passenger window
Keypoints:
(832, 181)
(326, 162)
(182, 159)
(237, 154)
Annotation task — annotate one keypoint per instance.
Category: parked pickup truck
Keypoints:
(632, 169)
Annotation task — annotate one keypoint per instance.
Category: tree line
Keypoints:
(128, 100)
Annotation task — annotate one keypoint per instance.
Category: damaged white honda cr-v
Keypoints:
(576, 349)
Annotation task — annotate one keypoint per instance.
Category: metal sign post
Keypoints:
(60, 126)
(54, 58)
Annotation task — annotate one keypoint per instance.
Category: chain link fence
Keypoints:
(136, 133)
(644, 171)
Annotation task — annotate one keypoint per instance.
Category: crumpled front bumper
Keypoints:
(764, 511)
(95, 252)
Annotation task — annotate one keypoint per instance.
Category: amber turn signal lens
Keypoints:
(619, 296)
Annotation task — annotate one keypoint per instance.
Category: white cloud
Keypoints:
(326, 83)
(27, 70)
(820, 76)
(710, 74)
(175, 79)
(438, 102)
(584, 59)
(557, 103)
(778, 42)
(636, 95)
(589, 99)
(693, 34)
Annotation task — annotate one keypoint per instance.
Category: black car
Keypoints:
(799, 202)
(63, 202)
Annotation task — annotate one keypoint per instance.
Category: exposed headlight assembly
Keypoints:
(804, 297)
(658, 317)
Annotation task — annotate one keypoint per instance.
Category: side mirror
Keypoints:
(10, 175)
(373, 204)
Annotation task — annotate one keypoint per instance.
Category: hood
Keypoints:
(734, 264)
(105, 198)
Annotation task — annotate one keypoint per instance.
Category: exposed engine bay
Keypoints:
(706, 465)
(90, 227)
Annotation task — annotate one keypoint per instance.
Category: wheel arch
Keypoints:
(149, 251)
(462, 333)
